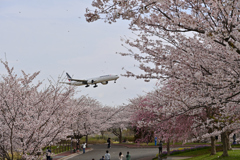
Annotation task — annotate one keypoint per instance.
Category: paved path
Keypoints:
(96, 151)
(100, 149)
(137, 152)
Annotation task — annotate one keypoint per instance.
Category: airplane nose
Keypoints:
(117, 76)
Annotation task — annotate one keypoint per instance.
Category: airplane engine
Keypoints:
(90, 81)
(104, 82)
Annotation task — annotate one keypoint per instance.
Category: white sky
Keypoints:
(53, 37)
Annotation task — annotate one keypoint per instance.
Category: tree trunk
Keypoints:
(168, 147)
(229, 147)
(120, 135)
(102, 133)
(224, 142)
(213, 146)
(11, 142)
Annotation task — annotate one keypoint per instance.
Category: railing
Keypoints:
(63, 146)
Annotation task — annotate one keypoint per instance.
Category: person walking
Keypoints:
(48, 154)
(102, 158)
(128, 157)
(78, 148)
(107, 155)
(109, 142)
(120, 156)
(84, 146)
(234, 139)
(160, 148)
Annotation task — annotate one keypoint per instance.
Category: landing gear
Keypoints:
(95, 86)
(115, 81)
(87, 85)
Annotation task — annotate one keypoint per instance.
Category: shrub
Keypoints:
(129, 138)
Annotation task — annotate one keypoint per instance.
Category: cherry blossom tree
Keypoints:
(32, 118)
(120, 121)
(150, 115)
(218, 118)
(94, 118)
(89, 118)
(192, 45)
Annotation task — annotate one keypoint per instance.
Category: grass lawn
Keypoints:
(236, 146)
(191, 152)
(233, 155)
(204, 154)
(153, 144)
(194, 153)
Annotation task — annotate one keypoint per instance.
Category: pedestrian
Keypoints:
(128, 157)
(84, 146)
(160, 148)
(102, 158)
(107, 155)
(78, 148)
(48, 154)
(109, 142)
(120, 156)
(234, 139)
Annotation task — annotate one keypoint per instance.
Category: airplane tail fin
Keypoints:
(69, 77)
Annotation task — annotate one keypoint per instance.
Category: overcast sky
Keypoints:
(53, 37)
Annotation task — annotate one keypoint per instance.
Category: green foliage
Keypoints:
(62, 146)
(129, 138)
(16, 155)
(96, 141)
(59, 149)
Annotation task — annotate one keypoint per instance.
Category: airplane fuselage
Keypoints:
(103, 79)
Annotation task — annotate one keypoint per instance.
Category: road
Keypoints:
(100, 149)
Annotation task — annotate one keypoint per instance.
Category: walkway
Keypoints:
(98, 150)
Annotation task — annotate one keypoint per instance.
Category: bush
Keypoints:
(97, 141)
(129, 138)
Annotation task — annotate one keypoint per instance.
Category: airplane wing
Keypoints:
(66, 83)
(79, 80)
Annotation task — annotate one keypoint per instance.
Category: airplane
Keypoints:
(92, 81)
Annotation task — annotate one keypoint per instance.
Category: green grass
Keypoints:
(153, 144)
(190, 153)
(236, 146)
(193, 143)
(194, 153)
(16, 155)
(233, 155)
